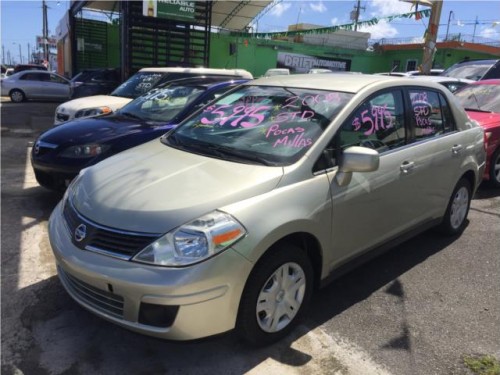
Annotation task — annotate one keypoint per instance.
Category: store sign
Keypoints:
(83, 45)
(169, 9)
(52, 42)
(298, 63)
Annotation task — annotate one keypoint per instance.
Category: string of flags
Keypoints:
(325, 30)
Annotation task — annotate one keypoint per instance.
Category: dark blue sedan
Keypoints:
(61, 152)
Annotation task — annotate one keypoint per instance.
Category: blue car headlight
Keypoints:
(84, 151)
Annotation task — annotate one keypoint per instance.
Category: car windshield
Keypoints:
(480, 97)
(162, 104)
(260, 124)
(473, 71)
(138, 84)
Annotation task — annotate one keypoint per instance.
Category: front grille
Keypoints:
(109, 241)
(101, 300)
(62, 117)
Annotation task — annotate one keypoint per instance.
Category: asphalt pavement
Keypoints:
(418, 309)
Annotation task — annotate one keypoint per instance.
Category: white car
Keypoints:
(135, 86)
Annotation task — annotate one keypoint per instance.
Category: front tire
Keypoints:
(275, 296)
(17, 96)
(455, 218)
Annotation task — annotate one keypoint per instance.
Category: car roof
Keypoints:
(202, 81)
(228, 72)
(442, 79)
(339, 82)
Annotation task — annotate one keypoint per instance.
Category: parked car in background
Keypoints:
(481, 101)
(36, 84)
(95, 82)
(21, 67)
(8, 72)
(474, 69)
(319, 71)
(141, 82)
(60, 153)
(452, 84)
(230, 220)
(411, 73)
(277, 72)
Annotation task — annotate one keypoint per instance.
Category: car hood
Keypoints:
(98, 129)
(154, 188)
(114, 102)
(486, 119)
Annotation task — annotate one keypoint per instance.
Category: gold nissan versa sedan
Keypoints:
(232, 219)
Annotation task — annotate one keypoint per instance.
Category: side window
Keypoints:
(449, 121)
(427, 114)
(377, 123)
(30, 77)
(56, 79)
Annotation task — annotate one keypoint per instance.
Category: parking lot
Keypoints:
(418, 309)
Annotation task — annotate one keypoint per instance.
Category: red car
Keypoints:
(481, 101)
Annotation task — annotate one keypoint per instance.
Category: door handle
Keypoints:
(456, 149)
(407, 166)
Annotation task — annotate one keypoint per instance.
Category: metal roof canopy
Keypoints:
(226, 14)
(236, 15)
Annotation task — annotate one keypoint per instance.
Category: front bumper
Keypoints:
(201, 300)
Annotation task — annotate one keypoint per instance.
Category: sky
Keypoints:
(22, 21)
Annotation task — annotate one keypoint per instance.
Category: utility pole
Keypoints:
(355, 17)
(45, 33)
(474, 33)
(448, 27)
(3, 54)
(29, 52)
(431, 37)
(20, 54)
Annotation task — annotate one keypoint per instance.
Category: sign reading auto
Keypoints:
(168, 9)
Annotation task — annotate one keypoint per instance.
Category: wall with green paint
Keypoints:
(258, 55)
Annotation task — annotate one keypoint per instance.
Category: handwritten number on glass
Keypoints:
(376, 120)
(235, 118)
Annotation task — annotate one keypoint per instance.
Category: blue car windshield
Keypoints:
(260, 124)
(162, 104)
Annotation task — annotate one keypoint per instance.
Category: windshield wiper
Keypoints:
(234, 154)
(129, 114)
(477, 110)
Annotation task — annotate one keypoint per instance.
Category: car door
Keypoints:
(438, 146)
(376, 206)
(56, 87)
(31, 84)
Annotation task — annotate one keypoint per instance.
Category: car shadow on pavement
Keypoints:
(45, 331)
(65, 338)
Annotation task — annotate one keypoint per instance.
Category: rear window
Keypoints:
(138, 84)
(474, 70)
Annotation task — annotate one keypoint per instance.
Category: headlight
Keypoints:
(84, 151)
(89, 112)
(194, 241)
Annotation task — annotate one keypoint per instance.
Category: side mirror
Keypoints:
(356, 159)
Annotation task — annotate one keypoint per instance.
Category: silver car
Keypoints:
(36, 84)
(232, 219)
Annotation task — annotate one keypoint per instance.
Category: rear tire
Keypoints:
(495, 169)
(276, 295)
(455, 218)
(17, 96)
